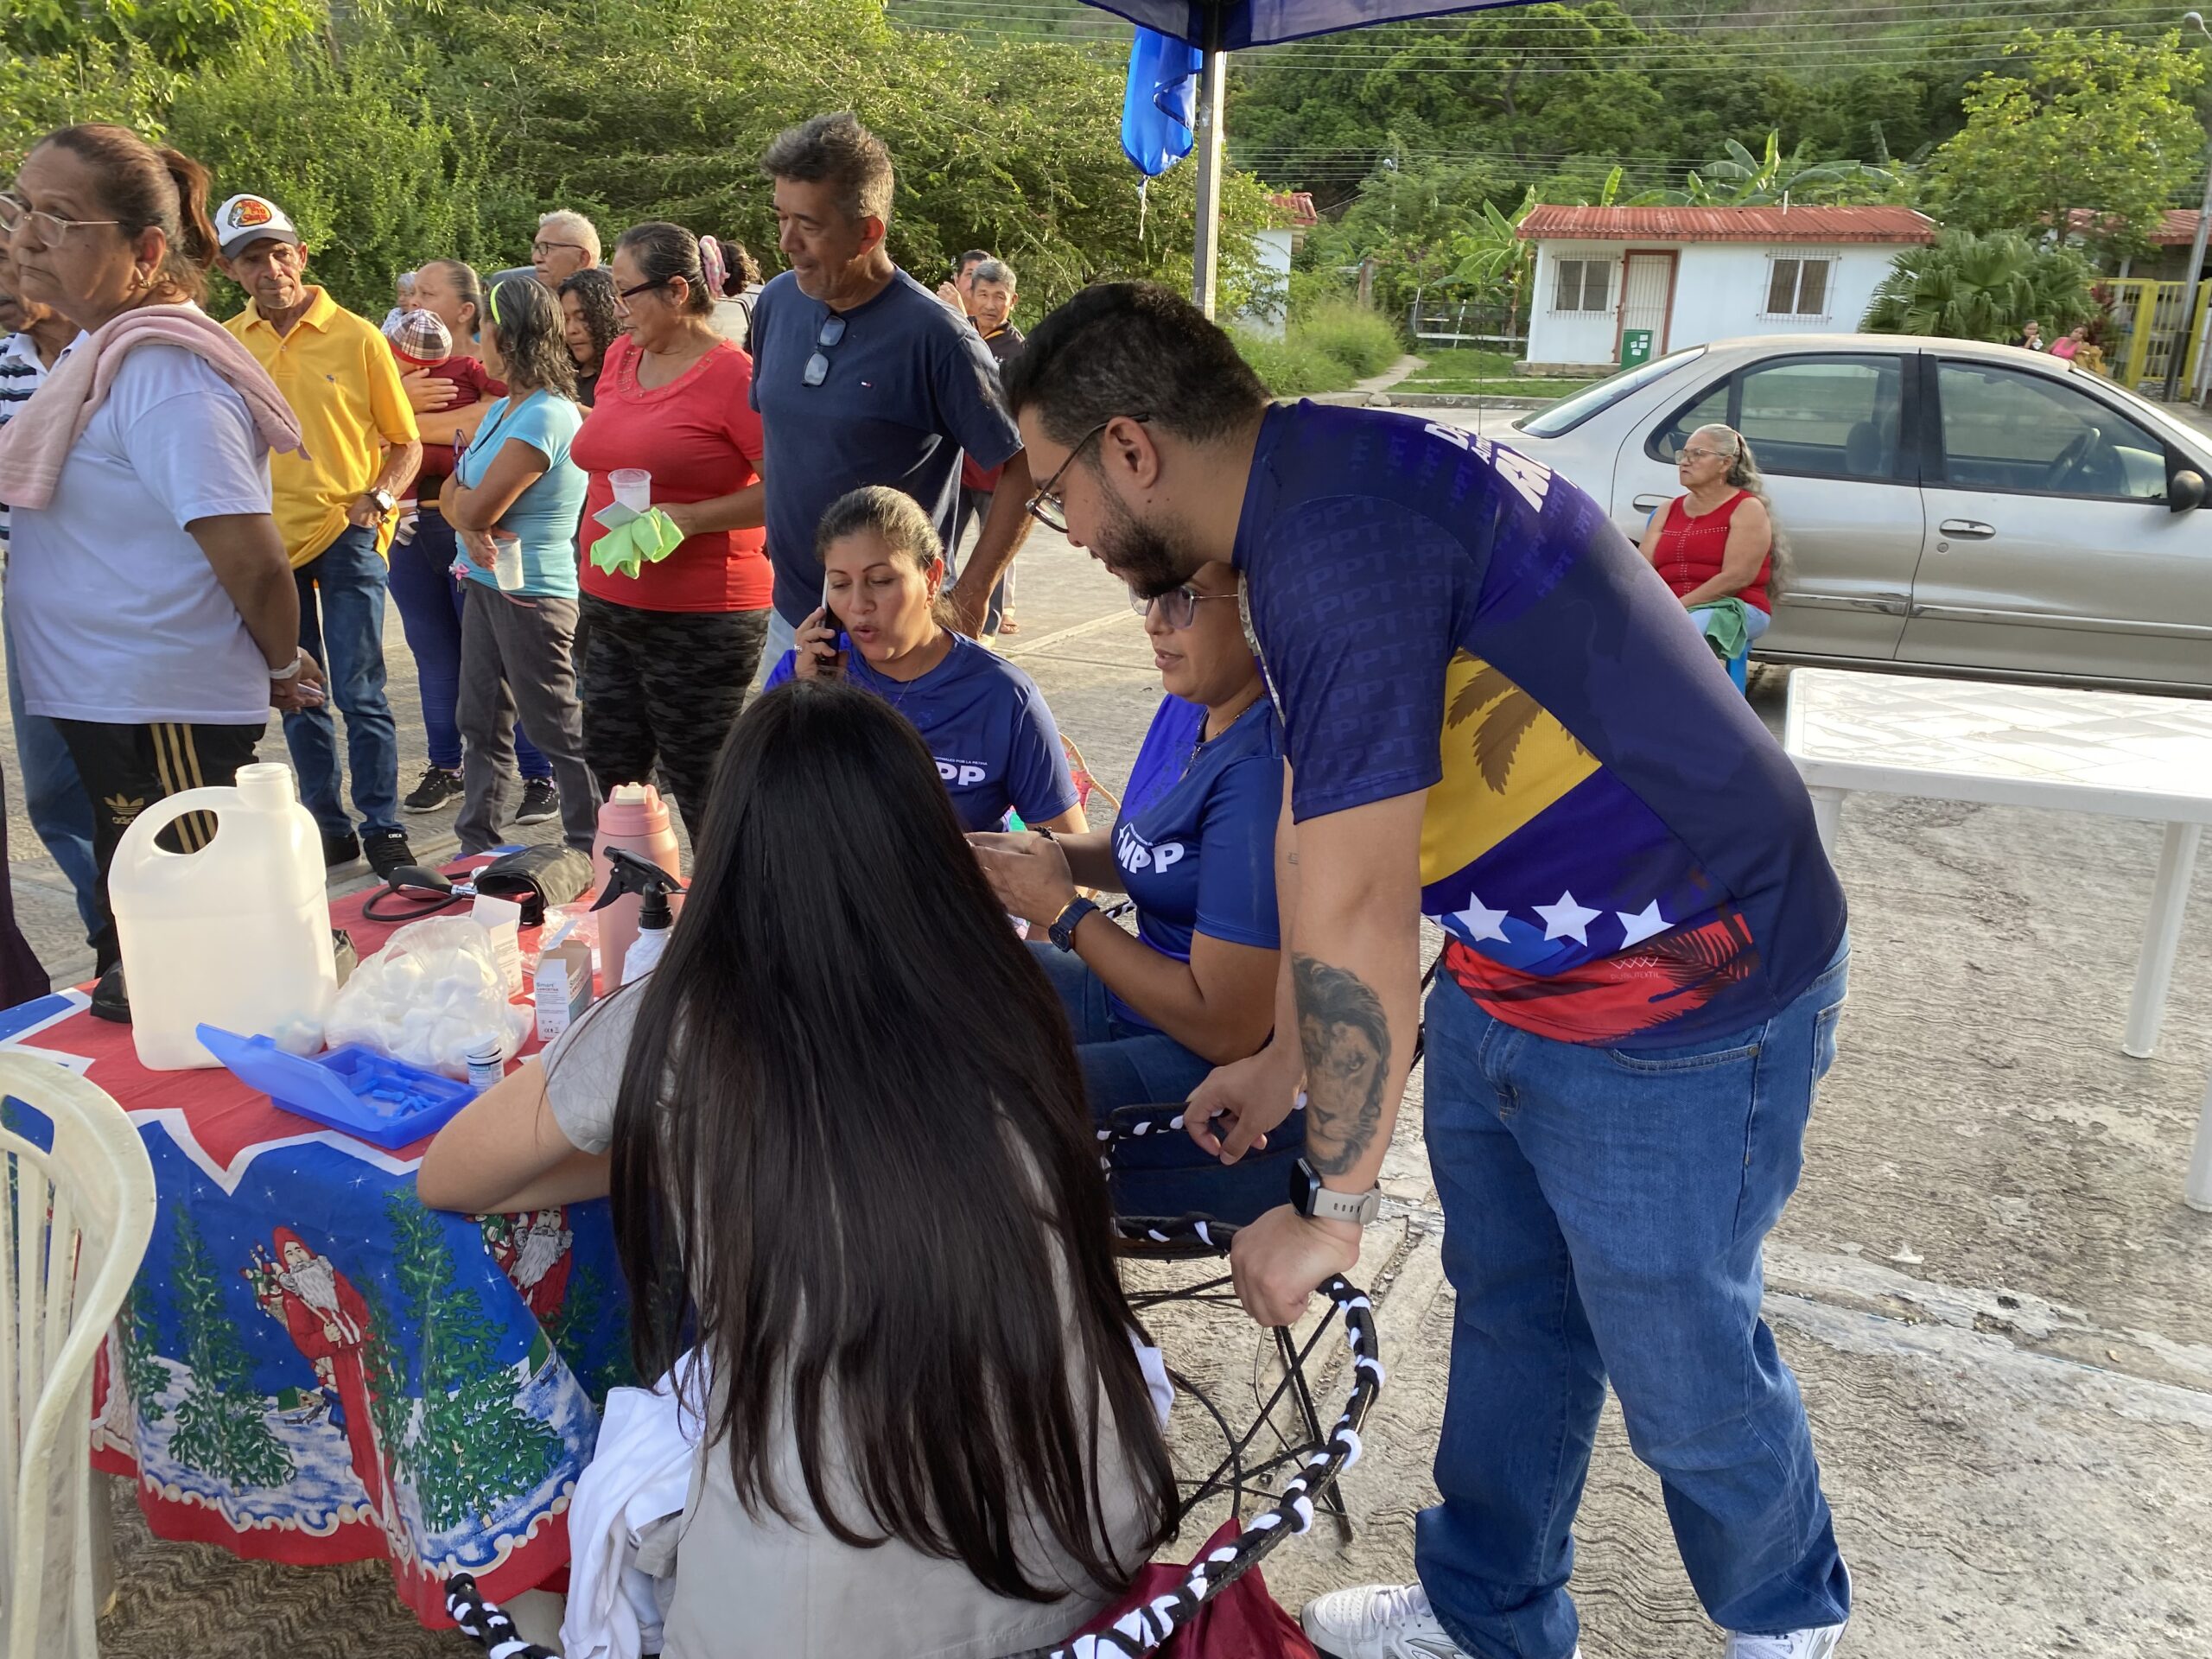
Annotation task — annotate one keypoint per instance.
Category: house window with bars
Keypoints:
(1582, 285)
(1798, 287)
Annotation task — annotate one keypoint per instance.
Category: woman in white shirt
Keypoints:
(891, 1254)
(153, 604)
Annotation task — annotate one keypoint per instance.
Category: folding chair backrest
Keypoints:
(78, 1212)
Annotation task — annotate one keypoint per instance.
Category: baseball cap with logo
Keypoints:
(244, 220)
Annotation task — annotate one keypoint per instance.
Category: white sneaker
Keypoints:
(1379, 1621)
(1816, 1644)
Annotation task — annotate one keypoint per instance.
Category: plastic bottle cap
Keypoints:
(487, 1050)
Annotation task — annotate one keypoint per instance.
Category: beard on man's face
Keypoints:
(1151, 560)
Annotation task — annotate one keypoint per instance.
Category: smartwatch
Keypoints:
(385, 499)
(1310, 1198)
(1063, 930)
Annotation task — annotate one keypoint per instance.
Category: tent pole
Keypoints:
(1206, 244)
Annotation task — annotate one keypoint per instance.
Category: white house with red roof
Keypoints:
(1685, 276)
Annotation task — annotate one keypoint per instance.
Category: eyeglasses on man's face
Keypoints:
(1178, 607)
(1044, 505)
(544, 249)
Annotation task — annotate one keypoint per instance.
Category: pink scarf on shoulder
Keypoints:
(35, 443)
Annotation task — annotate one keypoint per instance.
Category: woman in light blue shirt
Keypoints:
(514, 501)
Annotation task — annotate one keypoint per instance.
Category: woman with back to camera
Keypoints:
(1717, 542)
(892, 1253)
(885, 626)
(154, 604)
(1194, 848)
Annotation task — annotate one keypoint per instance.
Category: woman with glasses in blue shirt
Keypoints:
(1194, 987)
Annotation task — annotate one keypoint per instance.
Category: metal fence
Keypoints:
(2149, 325)
(1440, 317)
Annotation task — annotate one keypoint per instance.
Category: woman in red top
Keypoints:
(671, 650)
(1716, 541)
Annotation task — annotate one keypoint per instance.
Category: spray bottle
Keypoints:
(627, 873)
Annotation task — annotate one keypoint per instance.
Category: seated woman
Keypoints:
(888, 1254)
(1718, 542)
(883, 627)
(1193, 847)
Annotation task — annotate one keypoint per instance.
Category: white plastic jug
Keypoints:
(236, 935)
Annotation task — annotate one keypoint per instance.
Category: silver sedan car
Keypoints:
(1951, 508)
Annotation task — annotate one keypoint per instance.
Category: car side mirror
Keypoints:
(2185, 491)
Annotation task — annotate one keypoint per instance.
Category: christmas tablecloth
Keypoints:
(313, 1368)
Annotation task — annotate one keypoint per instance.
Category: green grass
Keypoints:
(1462, 372)
(1327, 349)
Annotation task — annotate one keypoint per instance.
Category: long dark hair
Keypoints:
(852, 1164)
(148, 189)
(595, 292)
(527, 319)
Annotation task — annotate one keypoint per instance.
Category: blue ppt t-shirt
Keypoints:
(1195, 842)
(909, 386)
(1618, 851)
(985, 724)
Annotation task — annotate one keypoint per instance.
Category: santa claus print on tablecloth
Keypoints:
(532, 1248)
(328, 1323)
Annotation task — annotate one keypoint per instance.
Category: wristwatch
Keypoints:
(1310, 1198)
(385, 499)
(1063, 930)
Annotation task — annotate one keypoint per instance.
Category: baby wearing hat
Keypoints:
(420, 340)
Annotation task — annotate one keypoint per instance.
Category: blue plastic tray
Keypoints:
(334, 1087)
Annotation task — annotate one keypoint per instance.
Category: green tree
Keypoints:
(471, 1449)
(143, 1375)
(1740, 179)
(1969, 287)
(222, 1423)
(2086, 121)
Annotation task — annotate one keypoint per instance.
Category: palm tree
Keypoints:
(1738, 180)
(1507, 713)
(1969, 287)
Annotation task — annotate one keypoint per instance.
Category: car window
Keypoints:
(1712, 410)
(1570, 412)
(1824, 416)
(2005, 430)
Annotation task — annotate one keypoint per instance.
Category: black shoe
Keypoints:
(438, 788)
(339, 850)
(387, 850)
(110, 1000)
(540, 800)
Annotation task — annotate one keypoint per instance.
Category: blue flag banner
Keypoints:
(1160, 108)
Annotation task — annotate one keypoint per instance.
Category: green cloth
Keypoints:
(647, 539)
(1725, 629)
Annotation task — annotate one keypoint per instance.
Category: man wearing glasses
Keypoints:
(863, 376)
(566, 243)
(1495, 715)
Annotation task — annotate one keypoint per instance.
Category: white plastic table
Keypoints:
(2098, 752)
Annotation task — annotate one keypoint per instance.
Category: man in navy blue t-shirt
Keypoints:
(1495, 714)
(863, 376)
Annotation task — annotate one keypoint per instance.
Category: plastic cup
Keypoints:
(634, 487)
(506, 570)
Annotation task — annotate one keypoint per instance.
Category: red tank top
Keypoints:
(1690, 551)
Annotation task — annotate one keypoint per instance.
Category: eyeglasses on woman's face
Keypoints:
(51, 229)
(1703, 455)
(1178, 607)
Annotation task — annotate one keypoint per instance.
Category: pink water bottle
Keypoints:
(635, 818)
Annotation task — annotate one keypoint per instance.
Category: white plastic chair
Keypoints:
(74, 1223)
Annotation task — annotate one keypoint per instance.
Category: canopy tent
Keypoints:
(1218, 28)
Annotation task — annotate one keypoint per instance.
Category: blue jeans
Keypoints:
(428, 597)
(53, 796)
(1603, 1216)
(349, 577)
(1126, 1065)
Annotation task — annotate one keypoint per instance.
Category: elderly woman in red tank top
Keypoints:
(1718, 541)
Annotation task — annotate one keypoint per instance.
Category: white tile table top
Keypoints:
(2031, 746)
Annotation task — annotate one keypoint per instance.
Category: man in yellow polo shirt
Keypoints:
(333, 507)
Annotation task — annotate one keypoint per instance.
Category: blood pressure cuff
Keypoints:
(536, 878)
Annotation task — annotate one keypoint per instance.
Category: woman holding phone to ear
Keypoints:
(884, 626)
